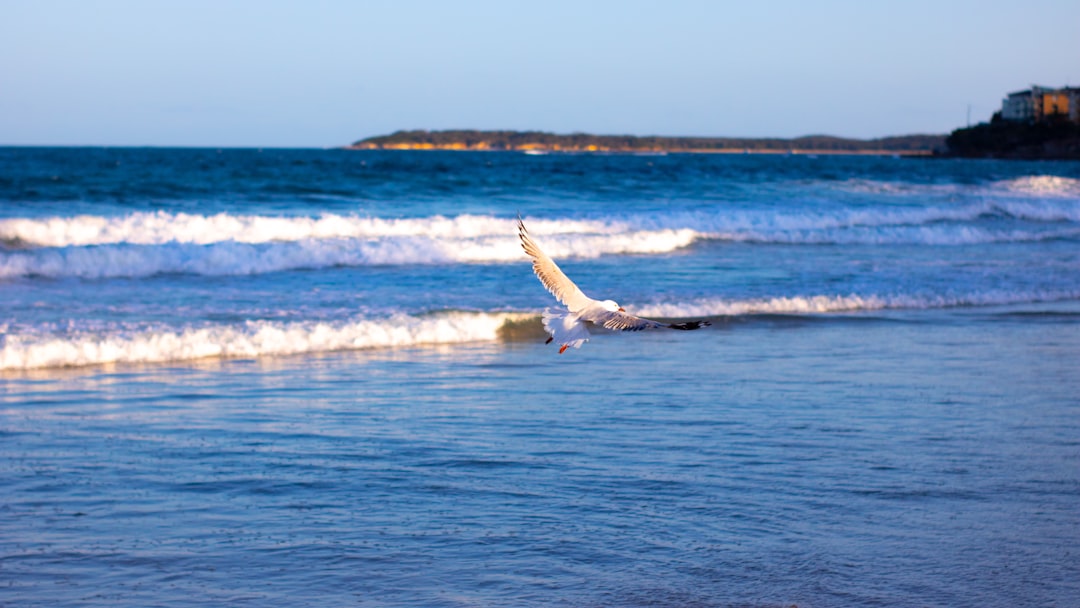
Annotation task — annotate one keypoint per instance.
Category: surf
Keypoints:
(117, 345)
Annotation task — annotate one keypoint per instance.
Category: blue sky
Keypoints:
(326, 73)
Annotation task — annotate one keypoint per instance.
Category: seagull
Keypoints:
(568, 326)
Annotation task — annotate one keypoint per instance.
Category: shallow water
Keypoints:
(884, 412)
(854, 462)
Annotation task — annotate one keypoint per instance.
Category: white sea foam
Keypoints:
(160, 228)
(710, 307)
(146, 228)
(236, 258)
(889, 217)
(1042, 185)
(985, 221)
(145, 244)
(1026, 186)
(104, 344)
(252, 339)
(823, 304)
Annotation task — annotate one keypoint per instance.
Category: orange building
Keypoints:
(1039, 104)
(1052, 104)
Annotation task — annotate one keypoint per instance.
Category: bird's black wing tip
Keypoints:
(690, 325)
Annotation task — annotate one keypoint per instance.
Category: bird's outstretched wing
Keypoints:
(622, 321)
(618, 320)
(552, 276)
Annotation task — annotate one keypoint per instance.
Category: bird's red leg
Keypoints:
(563, 348)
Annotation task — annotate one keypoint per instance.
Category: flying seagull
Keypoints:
(568, 326)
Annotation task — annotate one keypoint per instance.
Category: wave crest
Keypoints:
(162, 228)
(146, 244)
(1042, 185)
(821, 304)
(158, 228)
(236, 258)
(253, 339)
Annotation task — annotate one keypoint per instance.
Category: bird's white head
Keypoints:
(612, 305)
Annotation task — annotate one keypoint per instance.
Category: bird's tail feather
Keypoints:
(565, 327)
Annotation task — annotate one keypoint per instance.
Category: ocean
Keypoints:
(318, 378)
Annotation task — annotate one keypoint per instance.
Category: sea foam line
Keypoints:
(813, 220)
(268, 338)
(234, 258)
(823, 304)
(156, 228)
(1041, 185)
(1027, 186)
(252, 339)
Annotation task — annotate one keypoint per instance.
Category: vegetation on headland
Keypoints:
(538, 141)
(1046, 140)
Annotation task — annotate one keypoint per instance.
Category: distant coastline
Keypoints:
(539, 142)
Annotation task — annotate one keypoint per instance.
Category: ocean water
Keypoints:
(318, 377)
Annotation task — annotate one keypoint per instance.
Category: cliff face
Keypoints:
(582, 142)
(1012, 140)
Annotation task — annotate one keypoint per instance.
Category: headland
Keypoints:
(542, 142)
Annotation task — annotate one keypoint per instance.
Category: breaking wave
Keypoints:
(822, 304)
(1041, 185)
(161, 228)
(145, 244)
(157, 228)
(36, 349)
(252, 339)
(1027, 186)
(240, 258)
(736, 223)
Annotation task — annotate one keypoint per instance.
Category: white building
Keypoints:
(1019, 106)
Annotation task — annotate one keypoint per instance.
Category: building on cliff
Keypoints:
(1042, 104)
